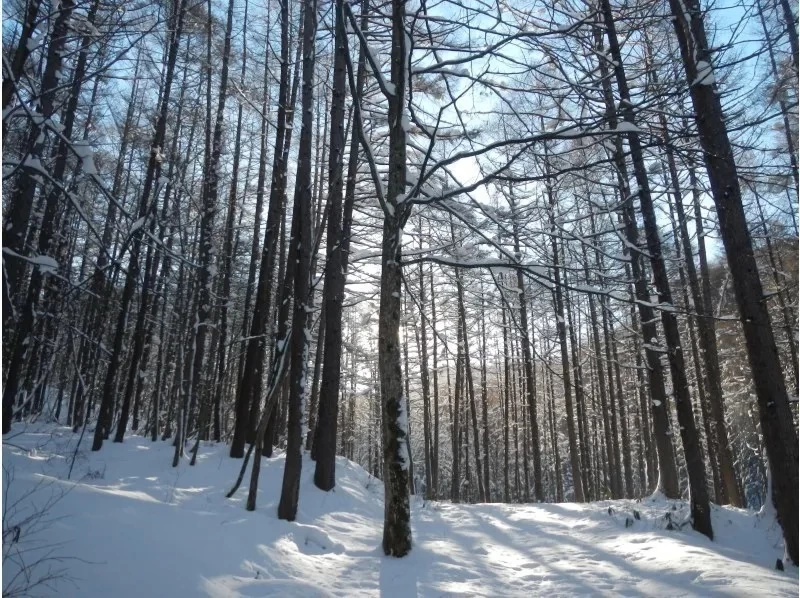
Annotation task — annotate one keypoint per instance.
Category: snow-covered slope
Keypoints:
(129, 525)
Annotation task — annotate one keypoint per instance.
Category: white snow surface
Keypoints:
(132, 526)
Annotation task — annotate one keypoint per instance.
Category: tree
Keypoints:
(325, 432)
(397, 513)
(300, 249)
(780, 438)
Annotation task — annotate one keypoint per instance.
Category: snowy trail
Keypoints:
(138, 527)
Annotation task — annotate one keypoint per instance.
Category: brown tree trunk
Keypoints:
(667, 472)
(397, 512)
(302, 244)
(530, 380)
(325, 433)
(435, 441)
(561, 327)
(780, 437)
(247, 399)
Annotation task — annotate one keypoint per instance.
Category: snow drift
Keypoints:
(128, 525)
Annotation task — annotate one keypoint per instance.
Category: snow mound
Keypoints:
(126, 524)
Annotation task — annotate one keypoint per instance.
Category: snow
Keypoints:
(34, 163)
(46, 264)
(34, 43)
(404, 123)
(86, 155)
(705, 74)
(133, 526)
(387, 85)
(655, 347)
(138, 223)
(627, 127)
(402, 423)
(80, 24)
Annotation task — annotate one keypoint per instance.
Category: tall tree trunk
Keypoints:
(455, 427)
(527, 356)
(790, 21)
(435, 442)
(247, 398)
(397, 513)
(422, 344)
(13, 72)
(718, 442)
(470, 385)
(208, 268)
(623, 414)
(554, 435)
(18, 215)
(333, 295)
(302, 244)
(700, 508)
(561, 327)
(228, 246)
(601, 378)
(506, 406)
(484, 404)
(580, 397)
(255, 248)
(667, 472)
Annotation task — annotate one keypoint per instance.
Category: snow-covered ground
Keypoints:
(128, 524)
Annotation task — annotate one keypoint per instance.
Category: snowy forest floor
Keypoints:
(128, 524)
